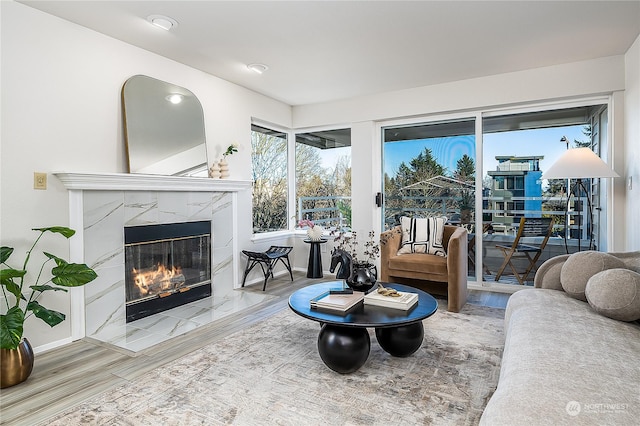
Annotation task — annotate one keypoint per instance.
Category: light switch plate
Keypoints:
(39, 180)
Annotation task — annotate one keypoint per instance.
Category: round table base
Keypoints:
(401, 341)
(343, 349)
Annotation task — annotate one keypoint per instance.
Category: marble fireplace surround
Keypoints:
(102, 205)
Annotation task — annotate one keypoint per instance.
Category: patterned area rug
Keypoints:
(271, 373)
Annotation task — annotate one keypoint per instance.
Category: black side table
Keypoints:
(314, 268)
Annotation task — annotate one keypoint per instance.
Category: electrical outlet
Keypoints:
(39, 180)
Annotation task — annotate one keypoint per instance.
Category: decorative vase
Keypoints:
(224, 168)
(363, 276)
(315, 233)
(214, 171)
(16, 364)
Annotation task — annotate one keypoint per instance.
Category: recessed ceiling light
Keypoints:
(259, 68)
(162, 21)
(175, 98)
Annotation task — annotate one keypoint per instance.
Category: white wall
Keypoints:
(632, 146)
(60, 94)
(604, 75)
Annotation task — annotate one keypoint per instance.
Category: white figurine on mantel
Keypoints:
(214, 171)
(224, 168)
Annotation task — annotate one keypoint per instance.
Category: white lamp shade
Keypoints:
(579, 163)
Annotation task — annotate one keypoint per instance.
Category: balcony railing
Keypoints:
(335, 212)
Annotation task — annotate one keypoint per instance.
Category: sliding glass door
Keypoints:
(432, 168)
(517, 150)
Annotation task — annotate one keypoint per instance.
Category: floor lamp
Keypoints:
(579, 164)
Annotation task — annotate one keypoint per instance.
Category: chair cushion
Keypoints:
(417, 262)
(581, 266)
(422, 235)
(615, 293)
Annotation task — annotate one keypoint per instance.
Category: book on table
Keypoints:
(336, 302)
(405, 301)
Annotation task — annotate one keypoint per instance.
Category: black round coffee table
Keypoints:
(344, 343)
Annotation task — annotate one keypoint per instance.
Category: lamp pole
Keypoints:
(567, 217)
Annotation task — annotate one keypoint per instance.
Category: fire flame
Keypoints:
(160, 278)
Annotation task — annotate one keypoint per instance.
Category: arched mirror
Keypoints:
(164, 128)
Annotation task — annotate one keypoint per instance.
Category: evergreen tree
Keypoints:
(465, 169)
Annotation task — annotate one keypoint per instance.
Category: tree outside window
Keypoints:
(323, 177)
(269, 168)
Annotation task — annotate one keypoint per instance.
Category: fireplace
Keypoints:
(166, 265)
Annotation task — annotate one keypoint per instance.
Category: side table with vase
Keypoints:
(314, 267)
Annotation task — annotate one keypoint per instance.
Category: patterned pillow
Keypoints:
(422, 235)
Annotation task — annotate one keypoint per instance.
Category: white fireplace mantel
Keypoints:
(139, 182)
(102, 204)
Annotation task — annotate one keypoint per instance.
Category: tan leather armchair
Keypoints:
(427, 271)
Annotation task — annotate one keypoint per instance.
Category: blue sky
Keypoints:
(521, 143)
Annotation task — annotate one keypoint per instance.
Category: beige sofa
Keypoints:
(436, 274)
(563, 363)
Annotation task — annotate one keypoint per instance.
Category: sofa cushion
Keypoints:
(581, 266)
(422, 235)
(417, 262)
(615, 293)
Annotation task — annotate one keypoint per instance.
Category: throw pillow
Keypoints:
(422, 235)
(581, 266)
(615, 294)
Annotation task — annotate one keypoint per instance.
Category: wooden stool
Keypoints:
(267, 260)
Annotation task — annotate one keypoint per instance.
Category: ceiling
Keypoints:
(320, 51)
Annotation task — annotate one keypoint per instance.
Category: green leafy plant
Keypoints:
(231, 149)
(14, 286)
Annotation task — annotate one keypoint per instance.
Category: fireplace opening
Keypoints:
(166, 266)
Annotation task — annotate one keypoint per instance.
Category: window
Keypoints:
(429, 169)
(323, 177)
(269, 167)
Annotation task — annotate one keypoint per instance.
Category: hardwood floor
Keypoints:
(68, 375)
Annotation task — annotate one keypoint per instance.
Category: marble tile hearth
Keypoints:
(146, 332)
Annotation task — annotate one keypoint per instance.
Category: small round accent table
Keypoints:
(314, 267)
(343, 341)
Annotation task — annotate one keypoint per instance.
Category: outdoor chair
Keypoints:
(267, 261)
(529, 227)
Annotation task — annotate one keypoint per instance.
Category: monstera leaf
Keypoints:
(21, 302)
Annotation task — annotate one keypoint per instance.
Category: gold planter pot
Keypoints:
(16, 364)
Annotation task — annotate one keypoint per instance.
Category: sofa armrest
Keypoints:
(548, 274)
(457, 269)
(389, 244)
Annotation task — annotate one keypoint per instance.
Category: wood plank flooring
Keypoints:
(68, 375)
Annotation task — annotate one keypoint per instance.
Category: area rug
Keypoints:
(271, 374)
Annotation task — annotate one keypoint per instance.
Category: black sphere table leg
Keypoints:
(401, 341)
(343, 349)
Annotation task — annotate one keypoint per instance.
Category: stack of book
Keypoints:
(404, 301)
(336, 302)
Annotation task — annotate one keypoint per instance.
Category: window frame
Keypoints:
(275, 235)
